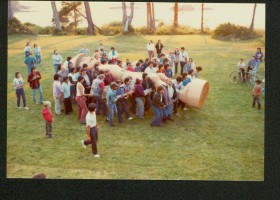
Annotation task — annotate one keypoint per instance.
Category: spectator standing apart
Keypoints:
(150, 48)
(256, 93)
(176, 61)
(113, 55)
(147, 83)
(37, 53)
(251, 64)
(150, 68)
(108, 77)
(47, 116)
(198, 69)
(34, 82)
(30, 62)
(241, 66)
(57, 59)
(130, 67)
(73, 81)
(96, 91)
(81, 100)
(139, 94)
(92, 130)
(84, 50)
(27, 50)
(159, 103)
(57, 93)
(111, 102)
(159, 46)
(183, 58)
(18, 86)
(101, 47)
(66, 95)
(259, 57)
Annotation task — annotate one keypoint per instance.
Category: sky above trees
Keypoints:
(40, 13)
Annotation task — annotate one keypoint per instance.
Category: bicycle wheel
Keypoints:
(234, 77)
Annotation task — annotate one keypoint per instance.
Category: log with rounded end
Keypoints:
(77, 59)
(115, 70)
(195, 93)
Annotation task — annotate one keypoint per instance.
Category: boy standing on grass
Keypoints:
(47, 115)
(92, 130)
(65, 95)
(18, 85)
(256, 92)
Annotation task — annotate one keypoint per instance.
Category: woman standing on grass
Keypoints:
(81, 100)
(37, 53)
(57, 59)
(150, 48)
(27, 49)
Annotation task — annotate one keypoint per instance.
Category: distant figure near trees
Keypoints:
(150, 48)
(37, 53)
(159, 46)
(84, 50)
(27, 49)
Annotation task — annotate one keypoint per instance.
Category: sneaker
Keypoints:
(106, 119)
(83, 144)
(18, 107)
(36, 102)
(96, 155)
(130, 118)
(185, 109)
(26, 108)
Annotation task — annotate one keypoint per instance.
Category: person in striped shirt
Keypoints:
(18, 86)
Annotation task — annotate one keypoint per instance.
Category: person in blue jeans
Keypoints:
(111, 102)
(259, 58)
(97, 88)
(34, 82)
(119, 102)
(159, 103)
(139, 94)
(30, 61)
(37, 53)
(18, 86)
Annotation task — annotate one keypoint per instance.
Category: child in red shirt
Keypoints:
(47, 115)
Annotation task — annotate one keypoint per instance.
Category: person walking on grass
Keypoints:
(159, 46)
(47, 116)
(30, 61)
(150, 48)
(57, 93)
(66, 95)
(256, 93)
(92, 129)
(34, 82)
(18, 86)
(81, 100)
(57, 59)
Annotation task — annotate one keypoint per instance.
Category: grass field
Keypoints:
(222, 141)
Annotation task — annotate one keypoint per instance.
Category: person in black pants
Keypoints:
(147, 83)
(159, 48)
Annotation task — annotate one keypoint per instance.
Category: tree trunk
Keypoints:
(124, 16)
(202, 16)
(153, 17)
(10, 10)
(131, 13)
(148, 16)
(55, 16)
(253, 19)
(89, 19)
(175, 23)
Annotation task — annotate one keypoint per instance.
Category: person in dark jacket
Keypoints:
(34, 82)
(139, 94)
(108, 77)
(87, 85)
(171, 96)
(147, 83)
(159, 103)
(159, 48)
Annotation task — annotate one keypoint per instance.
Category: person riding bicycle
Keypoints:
(251, 65)
(241, 65)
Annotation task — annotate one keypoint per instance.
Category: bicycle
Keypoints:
(248, 77)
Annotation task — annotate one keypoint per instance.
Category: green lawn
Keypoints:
(222, 141)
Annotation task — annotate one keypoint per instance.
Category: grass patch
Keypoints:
(222, 141)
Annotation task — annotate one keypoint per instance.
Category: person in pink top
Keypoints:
(130, 67)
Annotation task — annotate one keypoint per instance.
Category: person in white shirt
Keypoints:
(241, 65)
(57, 59)
(27, 49)
(183, 58)
(150, 48)
(18, 86)
(113, 55)
(150, 68)
(92, 130)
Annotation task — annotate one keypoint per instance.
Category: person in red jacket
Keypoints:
(34, 82)
(47, 115)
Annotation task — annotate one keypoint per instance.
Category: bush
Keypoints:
(113, 28)
(16, 27)
(81, 31)
(58, 32)
(143, 30)
(228, 31)
(170, 30)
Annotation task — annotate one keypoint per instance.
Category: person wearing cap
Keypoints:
(30, 61)
(139, 94)
(47, 116)
(34, 82)
(111, 102)
(57, 93)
